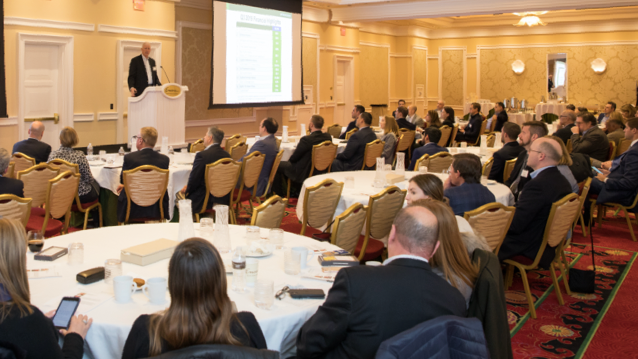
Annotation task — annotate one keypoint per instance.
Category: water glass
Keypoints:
(110, 159)
(252, 235)
(276, 237)
(76, 253)
(103, 155)
(423, 169)
(484, 180)
(349, 182)
(292, 262)
(463, 144)
(206, 228)
(264, 293)
(252, 268)
(112, 269)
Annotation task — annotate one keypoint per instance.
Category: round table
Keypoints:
(520, 118)
(476, 151)
(485, 107)
(555, 108)
(290, 147)
(112, 321)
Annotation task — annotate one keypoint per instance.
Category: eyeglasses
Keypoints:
(136, 137)
(535, 151)
(281, 293)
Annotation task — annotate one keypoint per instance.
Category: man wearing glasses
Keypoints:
(567, 121)
(588, 139)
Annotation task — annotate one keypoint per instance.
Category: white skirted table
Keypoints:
(555, 108)
(485, 107)
(521, 118)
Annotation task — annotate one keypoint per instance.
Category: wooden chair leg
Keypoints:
(552, 272)
(509, 276)
(564, 269)
(86, 218)
(197, 217)
(582, 225)
(99, 207)
(631, 228)
(288, 189)
(528, 293)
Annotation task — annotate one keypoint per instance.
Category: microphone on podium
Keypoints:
(165, 74)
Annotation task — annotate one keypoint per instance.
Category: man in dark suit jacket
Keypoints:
(588, 138)
(500, 116)
(142, 72)
(268, 146)
(547, 186)
(298, 167)
(531, 131)
(32, 146)
(567, 121)
(395, 113)
(367, 305)
(195, 190)
(8, 185)
(463, 187)
(356, 112)
(604, 116)
(351, 159)
(510, 150)
(472, 131)
(402, 122)
(431, 147)
(145, 155)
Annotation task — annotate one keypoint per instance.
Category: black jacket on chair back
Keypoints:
(196, 188)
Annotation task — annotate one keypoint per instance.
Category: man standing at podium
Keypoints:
(142, 72)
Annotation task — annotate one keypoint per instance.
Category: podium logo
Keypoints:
(173, 91)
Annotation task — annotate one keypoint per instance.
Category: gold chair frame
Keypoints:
(509, 167)
(11, 170)
(473, 217)
(278, 142)
(373, 150)
(351, 132)
(235, 151)
(49, 201)
(612, 150)
(355, 229)
(387, 213)
(233, 140)
(490, 139)
(620, 207)
(487, 167)
(22, 162)
(446, 132)
(568, 145)
(271, 178)
(145, 168)
(331, 209)
(455, 131)
(334, 130)
(321, 159)
(253, 179)
(440, 161)
(26, 201)
(197, 146)
(266, 206)
(231, 183)
(406, 139)
(40, 189)
(623, 146)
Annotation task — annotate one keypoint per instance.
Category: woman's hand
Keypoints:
(50, 314)
(80, 324)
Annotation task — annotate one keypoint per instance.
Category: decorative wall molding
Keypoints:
(353, 50)
(83, 117)
(136, 31)
(221, 121)
(471, 56)
(318, 38)
(374, 44)
(9, 121)
(427, 75)
(179, 25)
(107, 116)
(50, 24)
(401, 55)
(433, 57)
(453, 48)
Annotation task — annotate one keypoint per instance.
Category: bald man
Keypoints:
(33, 146)
(439, 108)
(414, 118)
(142, 72)
(535, 201)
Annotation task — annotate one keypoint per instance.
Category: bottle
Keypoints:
(121, 151)
(89, 150)
(239, 270)
(171, 151)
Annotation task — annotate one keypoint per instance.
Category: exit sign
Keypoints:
(138, 5)
(343, 31)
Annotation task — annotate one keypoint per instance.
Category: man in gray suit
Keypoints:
(414, 118)
(268, 146)
(588, 138)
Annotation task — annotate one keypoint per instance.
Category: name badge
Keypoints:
(525, 173)
(154, 68)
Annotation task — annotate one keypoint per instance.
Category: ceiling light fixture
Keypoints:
(530, 18)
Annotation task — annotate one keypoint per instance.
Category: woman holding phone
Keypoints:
(22, 325)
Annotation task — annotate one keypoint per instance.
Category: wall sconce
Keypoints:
(518, 67)
(599, 65)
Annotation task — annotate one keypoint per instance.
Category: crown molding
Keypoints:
(136, 31)
(220, 121)
(373, 44)
(50, 24)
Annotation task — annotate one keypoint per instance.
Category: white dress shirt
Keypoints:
(149, 73)
(406, 256)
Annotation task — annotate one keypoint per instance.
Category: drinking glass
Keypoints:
(103, 155)
(423, 169)
(276, 237)
(76, 253)
(484, 180)
(206, 228)
(264, 293)
(222, 234)
(112, 269)
(349, 182)
(35, 240)
(292, 262)
(252, 235)
(463, 144)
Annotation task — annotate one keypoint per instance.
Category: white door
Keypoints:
(42, 91)
(340, 94)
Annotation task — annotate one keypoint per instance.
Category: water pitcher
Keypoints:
(186, 227)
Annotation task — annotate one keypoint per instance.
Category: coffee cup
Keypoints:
(123, 287)
(36, 245)
(155, 290)
(303, 253)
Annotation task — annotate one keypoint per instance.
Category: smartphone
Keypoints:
(307, 293)
(65, 312)
(596, 169)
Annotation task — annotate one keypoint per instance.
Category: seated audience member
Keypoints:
(351, 159)
(510, 150)
(582, 109)
(589, 139)
(447, 116)
(390, 136)
(604, 116)
(356, 112)
(615, 130)
(567, 120)
(401, 121)
(628, 111)
(565, 164)
(21, 324)
(547, 186)
(145, 155)
(195, 190)
(298, 167)
(8, 185)
(463, 186)
(430, 147)
(401, 103)
(571, 107)
(531, 131)
(356, 316)
(200, 311)
(500, 116)
(432, 119)
(440, 105)
(33, 146)
(619, 181)
(87, 189)
(267, 145)
(414, 118)
(471, 132)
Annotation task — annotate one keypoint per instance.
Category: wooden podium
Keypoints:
(162, 107)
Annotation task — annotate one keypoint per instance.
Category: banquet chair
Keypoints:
(347, 227)
(612, 151)
(85, 208)
(446, 131)
(278, 142)
(334, 130)
(509, 167)
(406, 139)
(487, 167)
(382, 208)
(36, 180)
(248, 176)
(14, 207)
(145, 186)
(373, 150)
(273, 171)
(626, 209)
(455, 130)
(11, 170)
(233, 140)
(422, 161)
(583, 191)
(270, 213)
(319, 204)
(197, 146)
(22, 162)
(238, 151)
(560, 221)
(568, 145)
(481, 132)
(351, 132)
(322, 156)
(490, 140)
(221, 179)
(492, 124)
(61, 192)
(440, 162)
(492, 221)
(623, 146)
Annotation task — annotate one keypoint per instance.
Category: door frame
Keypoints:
(348, 85)
(65, 76)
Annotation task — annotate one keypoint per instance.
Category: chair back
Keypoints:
(11, 173)
(406, 141)
(446, 131)
(373, 150)
(22, 161)
(492, 125)
(351, 132)
(14, 207)
(251, 168)
(440, 161)
(509, 167)
(422, 161)
(61, 193)
(270, 213)
(238, 151)
(481, 132)
(273, 171)
(455, 130)
(382, 208)
(278, 142)
(561, 219)
(347, 227)
(334, 130)
(221, 178)
(487, 167)
(612, 151)
(233, 140)
(36, 181)
(322, 156)
(197, 146)
(320, 203)
(492, 221)
(623, 146)
(490, 139)
(65, 166)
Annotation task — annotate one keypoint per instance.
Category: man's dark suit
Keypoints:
(518, 171)
(351, 159)
(581, 166)
(472, 130)
(137, 76)
(565, 133)
(468, 197)
(146, 156)
(196, 188)
(11, 186)
(501, 118)
(267, 146)
(403, 123)
(33, 148)
(367, 305)
(298, 166)
(351, 125)
(532, 210)
(509, 151)
(622, 183)
(594, 143)
(429, 148)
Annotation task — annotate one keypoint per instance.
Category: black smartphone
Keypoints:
(307, 293)
(65, 312)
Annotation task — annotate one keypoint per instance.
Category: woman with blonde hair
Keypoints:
(390, 136)
(627, 111)
(564, 164)
(432, 118)
(200, 311)
(21, 324)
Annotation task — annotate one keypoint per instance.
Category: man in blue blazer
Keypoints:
(267, 145)
(33, 146)
(351, 159)
(610, 107)
(431, 147)
(463, 187)
(472, 131)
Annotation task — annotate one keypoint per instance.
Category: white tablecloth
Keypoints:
(555, 108)
(485, 108)
(112, 321)
(476, 151)
(520, 118)
(290, 147)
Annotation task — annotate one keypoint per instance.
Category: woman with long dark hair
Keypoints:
(447, 115)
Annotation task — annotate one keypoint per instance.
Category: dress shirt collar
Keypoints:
(404, 256)
(538, 171)
(146, 148)
(633, 143)
(211, 145)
